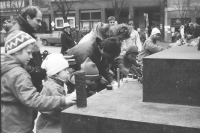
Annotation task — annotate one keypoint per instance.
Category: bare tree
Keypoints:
(117, 6)
(41, 3)
(184, 7)
(64, 6)
(15, 6)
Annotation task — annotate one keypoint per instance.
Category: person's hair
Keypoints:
(111, 18)
(31, 11)
(111, 46)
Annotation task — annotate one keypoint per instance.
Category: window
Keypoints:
(89, 19)
(59, 22)
(96, 15)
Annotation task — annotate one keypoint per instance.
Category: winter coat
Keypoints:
(124, 65)
(19, 97)
(50, 121)
(77, 36)
(34, 65)
(67, 41)
(149, 47)
(91, 50)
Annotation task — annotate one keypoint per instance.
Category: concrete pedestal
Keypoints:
(173, 76)
(122, 111)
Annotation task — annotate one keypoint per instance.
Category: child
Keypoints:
(127, 63)
(57, 71)
(91, 75)
(18, 95)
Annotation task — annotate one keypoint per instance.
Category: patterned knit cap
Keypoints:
(16, 41)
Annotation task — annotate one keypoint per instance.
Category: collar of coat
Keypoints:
(26, 26)
(57, 80)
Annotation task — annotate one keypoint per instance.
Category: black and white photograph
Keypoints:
(100, 66)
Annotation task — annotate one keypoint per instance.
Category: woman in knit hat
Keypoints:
(57, 72)
(91, 76)
(150, 46)
(18, 95)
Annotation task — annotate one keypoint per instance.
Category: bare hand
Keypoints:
(71, 99)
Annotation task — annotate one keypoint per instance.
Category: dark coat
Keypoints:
(77, 36)
(91, 50)
(67, 41)
(34, 66)
(125, 66)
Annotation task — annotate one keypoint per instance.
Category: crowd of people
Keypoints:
(30, 84)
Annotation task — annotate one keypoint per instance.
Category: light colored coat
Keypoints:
(50, 121)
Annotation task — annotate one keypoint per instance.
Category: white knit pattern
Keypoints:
(17, 42)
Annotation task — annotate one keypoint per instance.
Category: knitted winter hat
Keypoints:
(155, 31)
(54, 63)
(90, 69)
(132, 49)
(16, 41)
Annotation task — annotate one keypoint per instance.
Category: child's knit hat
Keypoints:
(16, 41)
(90, 69)
(54, 63)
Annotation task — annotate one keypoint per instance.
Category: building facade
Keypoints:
(144, 13)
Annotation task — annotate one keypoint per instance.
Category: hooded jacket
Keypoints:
(34, 66)
(19, 97)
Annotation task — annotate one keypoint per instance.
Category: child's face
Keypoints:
(112, 22)
(132, 57)
(24, 55)
(64, 74)
(91, 83)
